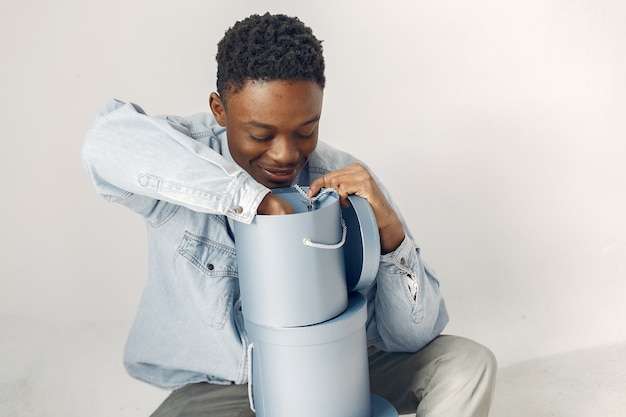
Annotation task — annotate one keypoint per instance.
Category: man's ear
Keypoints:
(218, 109)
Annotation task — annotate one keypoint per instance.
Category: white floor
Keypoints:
(56, 370)
(588, 383)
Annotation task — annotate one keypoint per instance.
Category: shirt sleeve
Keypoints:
(128, 153)
(406, 308)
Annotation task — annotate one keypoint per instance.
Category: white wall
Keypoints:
(502, 124)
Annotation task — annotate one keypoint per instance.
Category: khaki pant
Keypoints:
(451, 377)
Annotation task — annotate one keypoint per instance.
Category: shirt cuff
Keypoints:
(404, 257)
(247, 197)
(404, 262)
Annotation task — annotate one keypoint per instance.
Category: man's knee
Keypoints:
(473, 354)
(467, 360)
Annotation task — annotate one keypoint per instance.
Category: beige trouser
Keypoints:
(451, 377)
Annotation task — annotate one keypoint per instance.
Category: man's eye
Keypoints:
(305, 135)
(263, 139)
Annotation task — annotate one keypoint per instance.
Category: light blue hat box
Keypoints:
(319, 370)
(298, 276)
(285, 282)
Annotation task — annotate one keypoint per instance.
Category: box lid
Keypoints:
(362, 247)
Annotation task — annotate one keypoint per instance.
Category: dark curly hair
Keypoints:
(268, 48)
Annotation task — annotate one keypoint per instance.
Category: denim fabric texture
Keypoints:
(178, 175)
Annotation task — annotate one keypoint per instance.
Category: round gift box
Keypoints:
(284, 281)
(312, 371)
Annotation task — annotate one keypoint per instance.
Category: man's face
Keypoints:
(272, 127)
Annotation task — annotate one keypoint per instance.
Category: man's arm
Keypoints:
(128, 153)
(405, 307)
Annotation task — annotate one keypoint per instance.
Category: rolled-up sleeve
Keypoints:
(128, 153)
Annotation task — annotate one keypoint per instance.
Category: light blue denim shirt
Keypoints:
(177, 173)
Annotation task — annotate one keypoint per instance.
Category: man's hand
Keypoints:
(272, 204)
(355, 179)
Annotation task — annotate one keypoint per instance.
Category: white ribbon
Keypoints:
(250, 395)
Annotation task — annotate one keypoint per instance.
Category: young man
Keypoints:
(191, 178)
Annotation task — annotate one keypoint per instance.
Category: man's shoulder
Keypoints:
(200, 126)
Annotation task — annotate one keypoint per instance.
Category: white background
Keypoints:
(499, 126)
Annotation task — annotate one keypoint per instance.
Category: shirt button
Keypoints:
(239, 210)
(211, 267)
(401, 261)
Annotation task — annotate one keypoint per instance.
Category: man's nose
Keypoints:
(284, 150)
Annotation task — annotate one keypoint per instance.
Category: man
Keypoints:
(191, 178)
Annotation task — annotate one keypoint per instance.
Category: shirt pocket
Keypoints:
(207, 271)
